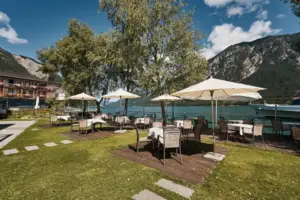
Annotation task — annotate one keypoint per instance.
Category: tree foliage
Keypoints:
(295, 5)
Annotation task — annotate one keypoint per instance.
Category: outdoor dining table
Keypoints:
(63, 117)
(140, 120)
(243, 127)
(124, 119)
(93, 122)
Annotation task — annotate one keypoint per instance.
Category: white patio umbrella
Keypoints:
(245, 97)
(166, 98)
(121, 94)
(82, 97)
(215, 88)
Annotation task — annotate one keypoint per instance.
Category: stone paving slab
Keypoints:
(66, 141)
(14, 130)
(147, 195)
(32, 148)
(120, 131)
(35, 129)
(179, 189)
(10, 151)
(50, 144)
(214, 156)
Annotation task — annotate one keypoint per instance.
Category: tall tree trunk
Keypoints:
(163, 113)
(98, 106)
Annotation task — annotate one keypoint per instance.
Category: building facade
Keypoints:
(26, 88)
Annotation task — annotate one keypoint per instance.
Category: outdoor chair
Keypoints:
(224, 129)
(170, 140)
(53, 119)
(278, 127)
(197, 132)
(187, 127)
(83, 128)
(257, 130)
(296, 135)
(142, 140)
(147, 122)
(157, 125)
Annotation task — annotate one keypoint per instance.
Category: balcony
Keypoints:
(11, 94)
(27, 96)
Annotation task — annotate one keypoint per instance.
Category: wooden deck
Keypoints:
(194, 168)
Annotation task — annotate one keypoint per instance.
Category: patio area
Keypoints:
(195, 167)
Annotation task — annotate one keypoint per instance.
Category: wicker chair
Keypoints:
(83, 128)
(296, 134)
(257, 130)
(187, 127)
(141, 139)
(53, 119)
(278, 127)
(157, 125)
(224, 129)
(170, 140)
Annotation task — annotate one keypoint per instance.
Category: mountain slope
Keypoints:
(272, 62)
(22, 66)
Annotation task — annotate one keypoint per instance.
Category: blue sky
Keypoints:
(26, 26)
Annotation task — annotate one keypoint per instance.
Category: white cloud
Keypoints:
(225, 35)
(4, 19)
(7, 32)
(280, 16)
(221, 3)
(235, 10)
(262, 14)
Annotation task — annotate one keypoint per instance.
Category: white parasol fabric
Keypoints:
(220, 88)
(235, 97)
(82, 96)
(215, 88)
(121, 94)
(166, 97)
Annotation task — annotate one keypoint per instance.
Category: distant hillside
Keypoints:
(22, 66)
(272, 62)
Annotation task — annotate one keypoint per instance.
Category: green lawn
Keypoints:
(88, 170)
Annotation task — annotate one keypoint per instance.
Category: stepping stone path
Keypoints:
(179, 189)
(35, 129)
(10, 151)
(66, 141)
(31, 148)
(147, 195)
(50, 144)
(168, 185)
(214, 156)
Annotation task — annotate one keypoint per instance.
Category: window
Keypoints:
(11, 81)
(10, 91)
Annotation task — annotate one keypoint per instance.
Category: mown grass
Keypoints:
(88, 170)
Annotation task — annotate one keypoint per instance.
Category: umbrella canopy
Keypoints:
(166, 97)
(120, 93)
(82, 96)
(234, 97)
(215, 88)
(220, 88)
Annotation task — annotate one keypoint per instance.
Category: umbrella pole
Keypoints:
(120, 111)
(213, 118)
(216, 117)
(173, 109)
(82, 108)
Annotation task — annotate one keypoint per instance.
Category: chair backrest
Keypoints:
(53, 118)
(247, 121)
(277, 124)
(82, 123)
(197, 134)
(157, 125)
(147, 121)
(171, 137)
(187, 124)
(296, 133)
(119, 119)
(223, 126)
(258, 129)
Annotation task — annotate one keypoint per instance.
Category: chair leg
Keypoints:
(227, 136)
(180, 154)
(176, 151)
(164, 155)
(262, 137)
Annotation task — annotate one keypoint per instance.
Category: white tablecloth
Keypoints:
(94, 121)
(63, 117)
(247, 128)
(179, 123)
(139, 121)
(124, 118)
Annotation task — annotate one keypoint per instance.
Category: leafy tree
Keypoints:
(172, 60)
(129, 19)
(295, 5)
(74, 57)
